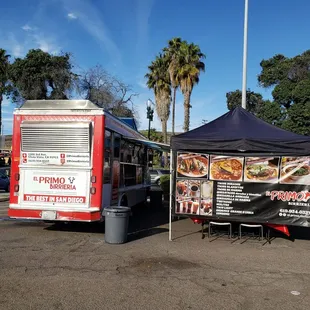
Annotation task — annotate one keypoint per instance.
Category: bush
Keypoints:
(165, 184)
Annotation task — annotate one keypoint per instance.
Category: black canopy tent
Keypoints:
(238, 132)
(241, 131)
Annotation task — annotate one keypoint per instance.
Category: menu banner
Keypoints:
(276, 203)
(254, 189)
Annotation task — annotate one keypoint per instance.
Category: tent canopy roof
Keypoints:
(240, 131)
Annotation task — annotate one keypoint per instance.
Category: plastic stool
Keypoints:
(252, 226)
(220, 224)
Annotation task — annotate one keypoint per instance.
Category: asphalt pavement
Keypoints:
(46, 266)
(3, 208)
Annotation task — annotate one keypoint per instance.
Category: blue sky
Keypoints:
(125, 35)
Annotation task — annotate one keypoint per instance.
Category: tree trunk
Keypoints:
(173, 109)
(187, 96)
(164, 128)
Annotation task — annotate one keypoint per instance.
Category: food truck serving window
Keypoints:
(68, 137)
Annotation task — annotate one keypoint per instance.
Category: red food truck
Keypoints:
(71, 159)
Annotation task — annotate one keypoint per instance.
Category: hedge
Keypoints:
(165, 184)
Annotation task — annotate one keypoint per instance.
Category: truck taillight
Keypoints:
(17, 176)
(93, 190)
(16, 188)
(93, 179)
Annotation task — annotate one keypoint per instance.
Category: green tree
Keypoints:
(158, 80)
(271, 113)
(290, 79)
(41, 75)
(4, 69)
(298, 119)
(172, 54)
(266, 110)
(253, 100)
(190, 66)
(154, 135)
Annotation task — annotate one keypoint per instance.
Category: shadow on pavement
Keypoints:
(296, 233)
(299, 233)
(143, 223)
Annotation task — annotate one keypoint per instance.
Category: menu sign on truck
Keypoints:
(55, 187)
(53, 158)
(258, 189)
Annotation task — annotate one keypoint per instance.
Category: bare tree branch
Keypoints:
(107, 91)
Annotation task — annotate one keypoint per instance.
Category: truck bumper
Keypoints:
(66, 216)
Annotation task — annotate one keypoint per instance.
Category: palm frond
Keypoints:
(190, 65)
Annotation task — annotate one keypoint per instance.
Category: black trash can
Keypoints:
(116, 224)
(156, 197)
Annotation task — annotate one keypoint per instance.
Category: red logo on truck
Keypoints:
(56, 182)
(62, 158)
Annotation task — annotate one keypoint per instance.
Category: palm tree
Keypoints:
(4, 68)
(158, 80)
(189, 68)
(172, 54)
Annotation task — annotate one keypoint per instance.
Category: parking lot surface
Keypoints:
(46, 266)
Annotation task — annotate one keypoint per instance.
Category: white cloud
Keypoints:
(91, 20)
(17, 50)
(143, 9)
(71, 16)
(13, 46)
(27, 28)
(45, 43)
(17, 44)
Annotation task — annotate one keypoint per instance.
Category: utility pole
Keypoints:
(245, 51)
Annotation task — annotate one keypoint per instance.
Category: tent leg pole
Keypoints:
(170, 196)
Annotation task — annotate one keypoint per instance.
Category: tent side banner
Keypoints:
(261, 188)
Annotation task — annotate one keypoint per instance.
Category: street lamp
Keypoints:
(150, 112)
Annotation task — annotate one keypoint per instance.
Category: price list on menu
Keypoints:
(233, 199)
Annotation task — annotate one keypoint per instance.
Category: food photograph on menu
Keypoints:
(189, 206)
(192, 165)
(295, 170)
(206, 198)
(193, 188)
(226, 168)
(188, 196)
(261, 169)
(182, 186)
(188, 189)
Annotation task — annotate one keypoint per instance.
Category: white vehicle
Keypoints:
(156, 174)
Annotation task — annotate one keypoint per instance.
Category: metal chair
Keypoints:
(220, 224)
(261, 235)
